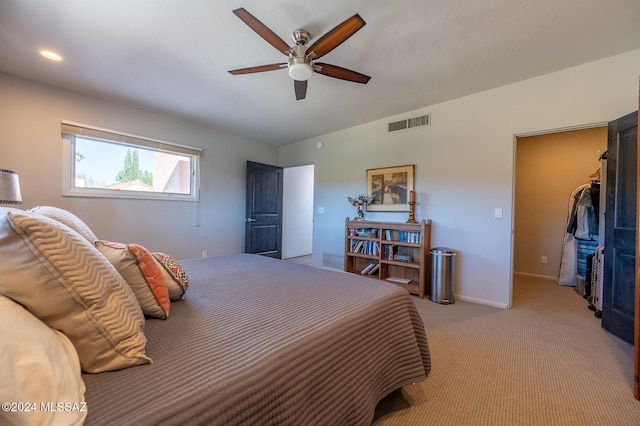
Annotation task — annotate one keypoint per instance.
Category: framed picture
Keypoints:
(390, 187)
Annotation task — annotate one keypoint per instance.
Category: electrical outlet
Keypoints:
(204, 253)
(543, 260)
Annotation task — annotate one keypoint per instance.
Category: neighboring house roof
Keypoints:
(132, 185)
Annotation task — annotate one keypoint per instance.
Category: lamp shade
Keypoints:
(9, 187)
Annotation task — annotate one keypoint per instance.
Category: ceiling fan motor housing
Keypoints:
(301, 36)
(300, 66)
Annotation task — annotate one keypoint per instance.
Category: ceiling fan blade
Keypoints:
(262, 30)
(261, 68)
(300, 88)
(341, 73)
(336, 36)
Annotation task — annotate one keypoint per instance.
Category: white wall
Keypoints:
(30, 143)
(464, 164)
(297, 215)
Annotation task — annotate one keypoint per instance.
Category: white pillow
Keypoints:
(64, 281)
(37, 365)
(68, 218)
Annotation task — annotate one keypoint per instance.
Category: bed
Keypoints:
(250, 340)
(263, 341)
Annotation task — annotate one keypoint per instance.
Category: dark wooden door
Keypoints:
(618, 299)
(263, 230)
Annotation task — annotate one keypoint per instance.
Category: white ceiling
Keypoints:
(173, 55)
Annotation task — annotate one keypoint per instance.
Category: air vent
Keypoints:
(411, 123)
(423, 120)
(398, 125)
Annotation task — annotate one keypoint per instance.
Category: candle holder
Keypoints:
(412, 212)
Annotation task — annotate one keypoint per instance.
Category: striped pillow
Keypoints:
(68, 218)
(63, 280)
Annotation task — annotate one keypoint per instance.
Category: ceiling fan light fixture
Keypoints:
(300, 67)
(300, 71)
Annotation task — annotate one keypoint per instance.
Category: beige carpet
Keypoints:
(546, 361)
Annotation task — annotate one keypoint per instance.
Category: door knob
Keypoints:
(250, 219)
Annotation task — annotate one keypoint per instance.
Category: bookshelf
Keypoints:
(394, 251)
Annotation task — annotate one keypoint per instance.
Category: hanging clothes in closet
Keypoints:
(581, 236)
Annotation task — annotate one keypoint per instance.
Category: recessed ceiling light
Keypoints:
(51, 55)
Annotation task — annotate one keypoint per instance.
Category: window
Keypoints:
(105, 163)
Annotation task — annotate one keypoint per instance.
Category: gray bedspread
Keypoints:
(259, 341)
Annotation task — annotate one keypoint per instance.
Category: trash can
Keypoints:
(442, 267)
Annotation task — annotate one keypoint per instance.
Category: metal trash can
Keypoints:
(442, 268)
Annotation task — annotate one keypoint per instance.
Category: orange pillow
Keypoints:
(140, 270)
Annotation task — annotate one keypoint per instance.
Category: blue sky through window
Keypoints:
(102, 160)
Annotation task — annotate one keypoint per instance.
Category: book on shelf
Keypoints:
(364, 232)
(403, 257)
(365, 247)
(374, 269)
(390, 251)
(366, 268)
(399, 280)
(375, 248)
(402, 236)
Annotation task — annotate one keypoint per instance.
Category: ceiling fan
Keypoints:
(301, 64)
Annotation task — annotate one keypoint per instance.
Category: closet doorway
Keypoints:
(548, 168)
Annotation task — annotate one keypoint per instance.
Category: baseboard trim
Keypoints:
(543, 277)
(482, 302)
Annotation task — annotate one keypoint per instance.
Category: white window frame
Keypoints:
(70, 130)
